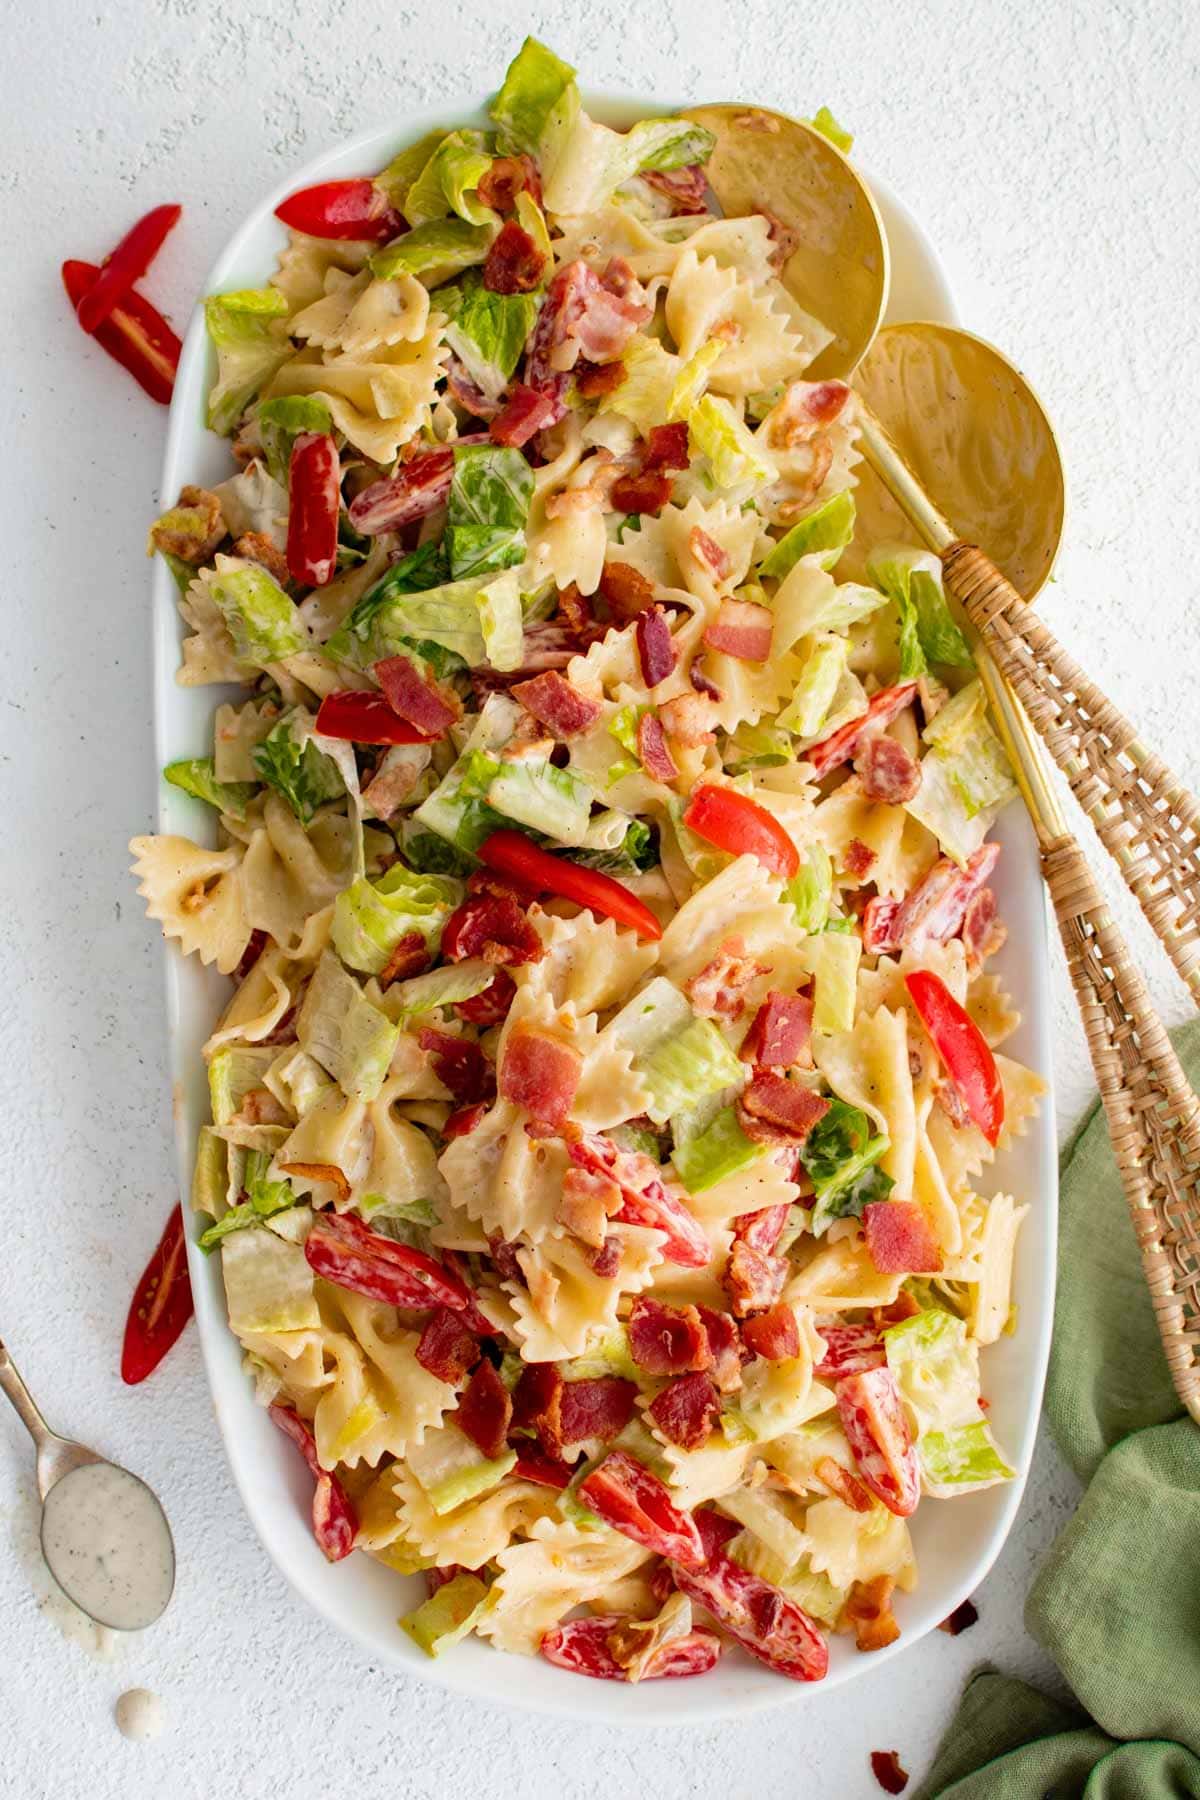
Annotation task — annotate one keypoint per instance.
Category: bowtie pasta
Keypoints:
(603, 1112)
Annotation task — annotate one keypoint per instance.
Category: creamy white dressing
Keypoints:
(108, 1545)
(140, 1715)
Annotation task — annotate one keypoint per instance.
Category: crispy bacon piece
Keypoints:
(544, 1471)
(540, 1073)
(786, 1104)
(334, 1520)
(877, 1430)
(753, 1279)
(257, 943)
(718, 990)
(464, 1120)
(653, 753)
(709, 554)
(626, 589)
(419, 486)
(781, 1034)
(774, 1335)
(598, 1408)
(197, 543)
(858, 859)
(645, 1200)
(762, 1230)
(447, 1349)
(587, 1203)
(668, 1340)
(491, 1006)
(644, 491)
(313, 1171)
(843, 745)
(702, 684)
(584, 1647)
(414, 697)
(889, 773)
(951, 1103)
(437, 1578)
(806, 408)
(636, 1503)
(686, 718)
(494, 927)
(842, 1484)
(849, 1350)
(583, 312)
(655, 645)
(549, 644)
(982, 932)
(606, 1261)
(741, 629)
(686, 1410)
(341, 1249)
(514, 264)
(257, 547)
(666, 447)
(900, 1240)
(879, 924)
(965, 1614)
(459, 1064)
(885, 1766)
(577, 617)
(260, 1107)
(765, 1622)
(685, 188)
(554, 703)
(485, 1410)
(523, 415)
(537, 1405)
(724, 1347)
(507, 177)
(594, 379)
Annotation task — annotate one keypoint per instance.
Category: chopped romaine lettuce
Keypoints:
(263, 622)
(543, 798)
(841, 1154)
(487, 332)
(431, 854)
(405, 166)
(936, 1367)
(713, 1155)
(448, 182)
(268, 1284)
(370, 918)
(759, 746)
(489, 504)
(941, 639)
(265, 1197)
(636, 852)
(824, 122)
(817, 687)
(196, 775)
(251, 344)
(693, 1064)
(644, 394)
(346, 1034)
(825, 531)
(965, 776)
(435, 251)
(534, 87)
(913, 580)
(692, 379)
(440, 987)
(281, 422)
(211, 1175)
(592, 161)
(232, 1072)
(457, 809)
(812, 889)
(833, 958)
(608, 1355)
(735, 456)
(289, 760)
(449, 1614)
(451, 1469)
(659, 1012)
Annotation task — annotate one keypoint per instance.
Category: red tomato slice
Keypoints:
(510, 853)
(581, 1645)
(124, 265)
(633, 1501)
(162, 1305)
(764, 1621)
(335, 1523)
(342, 209)
(364, 717)
(963, 1049)
(876, 1428)
(741, 826)
(348, 1253)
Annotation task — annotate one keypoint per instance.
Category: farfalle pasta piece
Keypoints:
(868, 1067)
(305, 265)
(962, 1150)
(560, 1567)
(589, 964)
(564, 1304)
(381, 1399)
(379, 404)
(851, 1546)
(473, 1534)
(289, 873)
(707, 303)
(196, 896)
(360, 313)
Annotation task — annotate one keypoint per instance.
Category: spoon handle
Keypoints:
(22, 1399)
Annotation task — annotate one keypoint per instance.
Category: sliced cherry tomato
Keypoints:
(342, 209)
(348, 1253)
(624, 1493)
(877, 1429)
(127, 263)
(884, 706)
(963, 1049)
(335, 1523)
(735, 823)
(135, 334)
(849, 1350)
(645, 1201)
(581, 1645)
(162, 1305)
(512, 854)
(761, 1617)
(314, 501)
(364, 717)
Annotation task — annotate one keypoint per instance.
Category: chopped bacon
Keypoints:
(653, 753)
(260, 1107)
(702, 684)
(594, 379)
(598, 1408)
(514, 264)
(578, 618)
(606, 1261)
(889, 773)
(762, 1230)
(195, 543)
(685, 188)
(645, 491)
(626, 589)
(540, 1073)
(447, 1349)
(667, 1340)
(537, 1405)
(485, 1410)
(645, 1200)
(718, 990)
(965, 1614)
(781, 1034)
(877, 1430)
(323, 1172)
(774, 1334)
(879, 924)
(459, 1064)
(724, 1348)
(655, 645)
(711, 555)
(524, 413)
(418, 487)
(666, 447)
(549, 644)
(806, 408)
(557, 705)
(752, 1279)
(843, 745)
(587, 1203)
(395, 777)
(582, 312)
(842, 1484)
(437, 1578)
(982, 932)
(635, 1502)
(414, 697)
(904, 1306)
(468, 394)
(741, 629)
(936, 909)
(464, 1120)
(786, 1104)
(256, 547)
(494, 927)
(491, 1006)
(885, 1766)
(686, 1410)
(868, 1609)
(849, 1350)
(858, 859)
(543, 1471)
(584, 1646)
(334, 1521)
(762, 1618)
(504, 1256)
(900, 1240)
(686, 718)
(507, 177)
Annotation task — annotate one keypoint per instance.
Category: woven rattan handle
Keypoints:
(1153, 1115)
(1147, 820)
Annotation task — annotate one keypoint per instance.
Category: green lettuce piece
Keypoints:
(360, 631)
(448, 182)
(936, 1367)
(210, 1172)
(192, 525)
(826, 530)
(659, 1012)
(734, 454)
(282, 421)
(346, 1034)
(965, 778)
(457, 809)
(420, 1213)
(431, 854)
(644, 394)
(251, 343)
(587, 162)
(233, 1071)
(440, 987)
(448, 1615)
(670, 144)
(637, 852)
(913, 580)
(834, 959)
(182, 573)
(554, 802)
(692, 379)
(489, 504)
(196, 775)
(488, 332)
(959, 1461)
(713, 1155)
(370, 918)
(800, 1582)
(268, 1284)
(760, 746)
(406, 166)
(941, 639)
(811, 890)
(451, 1469)
(692, 1065)
(609, 1355)
(265, 1197)
(534, 87)
(824, 122)
(841, 1154)
(263, 622)
(952, 728)
(391, 618)
(289, 761)
(816, 687)
(436, 250)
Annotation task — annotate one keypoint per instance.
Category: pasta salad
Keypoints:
(603, 1111)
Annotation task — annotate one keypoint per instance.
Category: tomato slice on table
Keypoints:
(963, 1049)
(135, 334)
(735, 823)
(510, 853)
(162, 1305)
(129, 261)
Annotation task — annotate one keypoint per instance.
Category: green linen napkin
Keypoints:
(1117, 1604)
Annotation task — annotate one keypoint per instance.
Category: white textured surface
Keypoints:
(1046, 151)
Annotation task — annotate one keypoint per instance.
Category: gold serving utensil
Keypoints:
(962, 449)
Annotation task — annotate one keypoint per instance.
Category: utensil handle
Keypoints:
(23, 1401)
(1153, 1115)
(1145, 817)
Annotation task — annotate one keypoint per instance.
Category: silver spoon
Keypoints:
(105, 1536)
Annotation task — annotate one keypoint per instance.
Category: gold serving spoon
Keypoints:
(960, 446)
